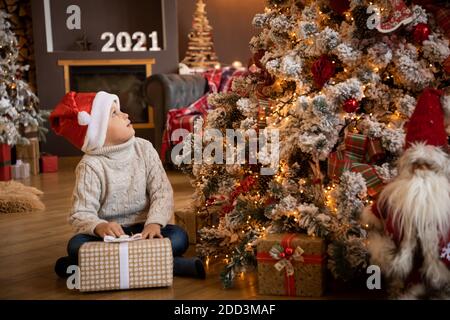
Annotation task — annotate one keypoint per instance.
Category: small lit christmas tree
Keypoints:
(200, 53)
(18, 104)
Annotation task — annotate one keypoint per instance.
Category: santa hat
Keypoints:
(82, 118)
(427, 121)
(426, 137)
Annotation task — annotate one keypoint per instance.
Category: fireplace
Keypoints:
(125, 78)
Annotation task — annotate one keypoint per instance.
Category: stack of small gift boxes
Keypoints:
(24, 161)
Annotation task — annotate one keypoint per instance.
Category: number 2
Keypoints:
(141, 41)
(107, 47)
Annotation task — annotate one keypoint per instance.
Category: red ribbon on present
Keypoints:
(288, 256)
(360, 151)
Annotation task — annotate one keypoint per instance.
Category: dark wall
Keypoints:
(50, 76)
(232, 26)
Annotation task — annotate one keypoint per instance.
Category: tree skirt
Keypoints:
(16, 197)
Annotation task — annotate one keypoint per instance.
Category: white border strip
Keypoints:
(48, 25)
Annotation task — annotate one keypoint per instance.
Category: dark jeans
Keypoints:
(176, 234)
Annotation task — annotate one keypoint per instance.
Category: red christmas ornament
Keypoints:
(421, 32)
(351, 105)
(340, 6)
(289, 251)
(282, 255)
(323, 69)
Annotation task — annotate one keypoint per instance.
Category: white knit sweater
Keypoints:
(124, 183)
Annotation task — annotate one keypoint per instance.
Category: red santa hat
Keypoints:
(82, 118)
(426, 137)
(427, 122)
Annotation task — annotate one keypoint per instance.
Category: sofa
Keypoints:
(171, 91)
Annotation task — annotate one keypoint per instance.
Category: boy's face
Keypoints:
(120, 129)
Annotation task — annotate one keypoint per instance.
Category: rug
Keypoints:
(16, 198)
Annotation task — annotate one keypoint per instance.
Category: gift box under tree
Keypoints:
(125, 265)
(291, 264)
(21, 170)
(29, 153)
(5, 162)
(192, 222)
(48, 163)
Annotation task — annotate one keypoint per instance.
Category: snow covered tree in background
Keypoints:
(200, 53)
(18, 104)
(339, 82)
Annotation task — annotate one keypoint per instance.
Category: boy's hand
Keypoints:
(109, 229)
(152, 230)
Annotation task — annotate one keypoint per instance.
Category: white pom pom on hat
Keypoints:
(84, 118)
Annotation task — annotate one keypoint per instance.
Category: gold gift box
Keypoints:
(126, 265)
(308, 269)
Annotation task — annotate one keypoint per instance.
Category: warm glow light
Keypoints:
(237, 64)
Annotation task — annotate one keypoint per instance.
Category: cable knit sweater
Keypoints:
(125, 183)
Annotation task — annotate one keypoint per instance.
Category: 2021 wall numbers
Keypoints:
(124, 42)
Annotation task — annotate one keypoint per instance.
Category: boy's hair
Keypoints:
(82, 118)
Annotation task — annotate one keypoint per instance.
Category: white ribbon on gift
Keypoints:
(124, 267)
(123, 238)
(275, 252)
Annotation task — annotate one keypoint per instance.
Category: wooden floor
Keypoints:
(31, 243)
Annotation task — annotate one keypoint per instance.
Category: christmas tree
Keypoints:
(200, 53)
(18, 104)
(338, 80)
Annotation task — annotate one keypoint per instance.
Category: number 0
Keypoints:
(121, 38)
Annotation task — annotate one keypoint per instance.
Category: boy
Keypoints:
(121, 186)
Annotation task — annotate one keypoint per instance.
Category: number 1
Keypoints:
(154, 37)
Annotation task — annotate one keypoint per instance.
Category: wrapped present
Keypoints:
(190, 221)
(5, 162)
(48, 163)
(359, 155)
(21, 170)
(125, 263)
(187, 220)
(31, 132)
(291, 264)
(30, 153)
